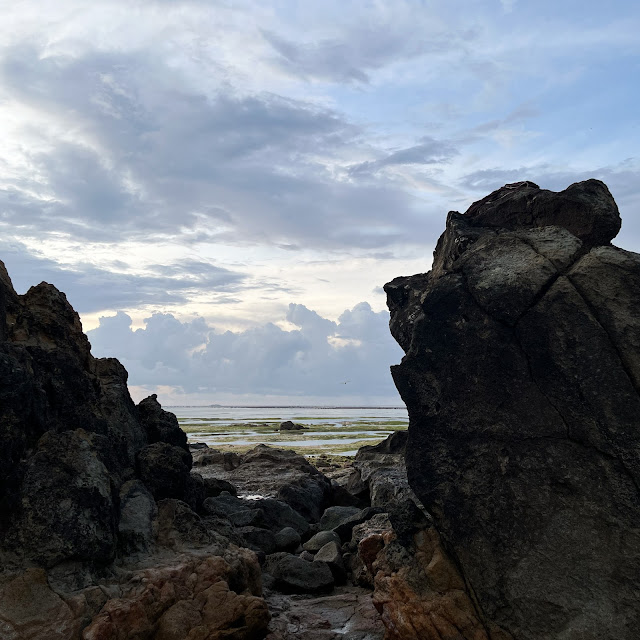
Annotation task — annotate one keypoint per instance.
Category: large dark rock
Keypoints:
(272, 473)
(74, 452)
(67, 507)
(587, 209)
(137, 512)
(295, 575)
(160, 425)
(522, 379)
(70, 435)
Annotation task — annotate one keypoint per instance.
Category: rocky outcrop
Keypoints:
(522, 380)
(271, 473)
(379, 473)
(98, 536)
(70, 435)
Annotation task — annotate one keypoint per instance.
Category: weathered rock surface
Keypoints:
(85, 548)
(522, 380)
(347, 614)
(316, 542)
(272, 473)
(295, 575)
(379, 472)
(419, 591)
(192, 598)
(287, 539)
(331, 553)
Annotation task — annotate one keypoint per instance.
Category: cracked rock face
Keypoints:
(522, 379)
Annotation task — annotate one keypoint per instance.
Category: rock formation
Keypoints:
(521, 375)
(97, 536)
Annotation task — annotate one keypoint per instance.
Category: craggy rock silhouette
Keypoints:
(85, 551)
(522, 380)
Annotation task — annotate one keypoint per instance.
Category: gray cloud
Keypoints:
(428, 152)
(91, 289)
(156, 159)
(320, 358)
(362, 48)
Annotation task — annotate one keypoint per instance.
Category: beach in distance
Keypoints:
(328, 430)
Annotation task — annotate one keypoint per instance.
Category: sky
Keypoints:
(221, 188)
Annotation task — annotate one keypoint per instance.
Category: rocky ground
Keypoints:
(111, 527)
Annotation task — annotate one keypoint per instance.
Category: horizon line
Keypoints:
(276, 406)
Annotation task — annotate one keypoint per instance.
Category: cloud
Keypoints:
(351, 58)
(428, 152)
(120, 154)
(319, 358)
(90, 289)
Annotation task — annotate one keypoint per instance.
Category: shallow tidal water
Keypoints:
(329, 430)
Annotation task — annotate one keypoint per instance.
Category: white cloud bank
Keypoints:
(344, 362)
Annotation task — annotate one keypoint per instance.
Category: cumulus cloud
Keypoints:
(319, 358)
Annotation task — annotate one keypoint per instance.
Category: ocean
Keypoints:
(330, 430)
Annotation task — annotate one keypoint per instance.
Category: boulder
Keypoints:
(379, 472)
(521, 376)
(195, 491)
(259, 539)
(137, 512)
(178, 527)
(287, 539)
(334, 516)
(67, 509)
(272, 473)
(331, 553)
(214, 487)
(586, 209)
(160, 425)
(287, 425)
(223, 505)
(319, 540)
(394, 444)
(278, 514)
(294, 575)
(247, 518)
(345, 528)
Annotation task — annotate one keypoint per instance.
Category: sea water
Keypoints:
(330, 430)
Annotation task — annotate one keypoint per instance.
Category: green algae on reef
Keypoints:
(335, 436)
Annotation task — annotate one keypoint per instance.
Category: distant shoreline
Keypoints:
(268, 406)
